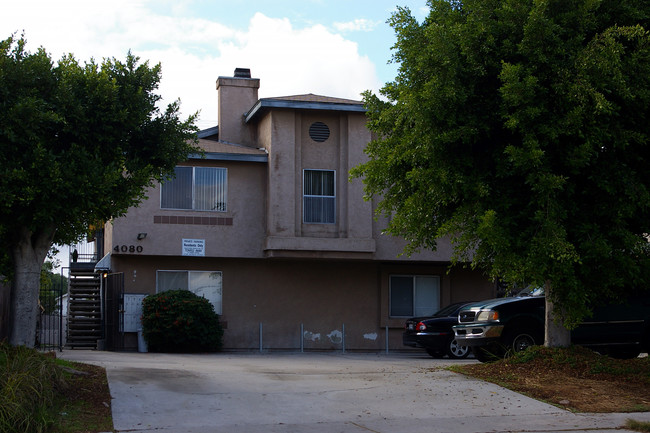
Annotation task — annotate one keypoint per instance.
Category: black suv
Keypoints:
(493, 327)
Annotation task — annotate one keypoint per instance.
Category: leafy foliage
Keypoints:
(180, 321)
(518, 129)
(79, 144)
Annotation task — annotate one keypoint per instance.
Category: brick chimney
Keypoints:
(236, 95)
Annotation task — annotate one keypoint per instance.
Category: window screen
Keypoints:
(197, 188)
(319, 201)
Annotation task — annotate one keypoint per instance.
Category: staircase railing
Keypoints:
(84, 252)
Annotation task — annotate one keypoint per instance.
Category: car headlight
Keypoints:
(487, 316)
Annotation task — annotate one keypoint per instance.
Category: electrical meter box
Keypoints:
(132, 312)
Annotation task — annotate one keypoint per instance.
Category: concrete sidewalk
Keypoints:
(319, 392)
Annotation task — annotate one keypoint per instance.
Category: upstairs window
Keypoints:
(196, 188)
(319, 199)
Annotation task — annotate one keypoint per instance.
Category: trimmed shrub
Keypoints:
(180, 321)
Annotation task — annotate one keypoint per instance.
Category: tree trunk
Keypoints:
(555, 334)
(28, 255)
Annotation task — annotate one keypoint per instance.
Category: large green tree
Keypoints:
(519, 129)
(79, 144)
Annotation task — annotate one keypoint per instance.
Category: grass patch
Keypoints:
(638, 425)
(86, 401)
(41, 394)
(574, 378)
(29, 386)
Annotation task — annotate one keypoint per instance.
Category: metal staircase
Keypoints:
(84, 309)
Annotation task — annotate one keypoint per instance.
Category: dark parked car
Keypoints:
(495, 327)
(434, 333)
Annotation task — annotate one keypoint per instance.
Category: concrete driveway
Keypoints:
(319, 392)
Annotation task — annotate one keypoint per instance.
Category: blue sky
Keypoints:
(328, 47)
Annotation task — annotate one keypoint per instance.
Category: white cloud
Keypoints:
(288, 61)
(361, 24)
(195, 51)
(293, 61)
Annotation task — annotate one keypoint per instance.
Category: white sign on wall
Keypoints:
(194, 247)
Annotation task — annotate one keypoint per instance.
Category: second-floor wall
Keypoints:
(286, 194)
(236, 228)
(312, 205)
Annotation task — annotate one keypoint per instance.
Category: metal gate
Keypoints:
(52, 320)
(113, 293)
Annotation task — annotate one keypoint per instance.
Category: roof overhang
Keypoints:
(208, 132)
(219, 156)
(104, 265)
(268, 103)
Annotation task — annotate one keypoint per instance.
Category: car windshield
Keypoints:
(531, 291)
(449, 309)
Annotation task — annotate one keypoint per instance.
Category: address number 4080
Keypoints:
(128, 248)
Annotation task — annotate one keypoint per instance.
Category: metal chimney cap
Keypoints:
(242, 73)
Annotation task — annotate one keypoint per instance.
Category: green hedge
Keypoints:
(180, 321)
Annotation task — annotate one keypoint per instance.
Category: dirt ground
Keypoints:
(576, 379)
(86, 402)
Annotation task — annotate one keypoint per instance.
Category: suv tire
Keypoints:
(521, 339)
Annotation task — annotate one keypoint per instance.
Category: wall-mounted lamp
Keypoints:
(141, 236)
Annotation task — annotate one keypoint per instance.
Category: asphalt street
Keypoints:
(320, 392)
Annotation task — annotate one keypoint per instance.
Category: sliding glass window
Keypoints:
(196, 188)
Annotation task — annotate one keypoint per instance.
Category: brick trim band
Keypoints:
(194, 220)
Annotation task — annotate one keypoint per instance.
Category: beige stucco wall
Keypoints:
(239, 231)
(322, 296)
(285, 133)
(281, 199)
(235, 97)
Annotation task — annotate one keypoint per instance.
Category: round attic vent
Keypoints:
(319, 132)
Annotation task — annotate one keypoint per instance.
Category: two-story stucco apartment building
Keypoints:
(268, 227)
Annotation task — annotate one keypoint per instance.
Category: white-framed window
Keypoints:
(319, 196)
(206, 284)
(196, 188)
(414, 295)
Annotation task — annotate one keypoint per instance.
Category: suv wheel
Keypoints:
(520, 340)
